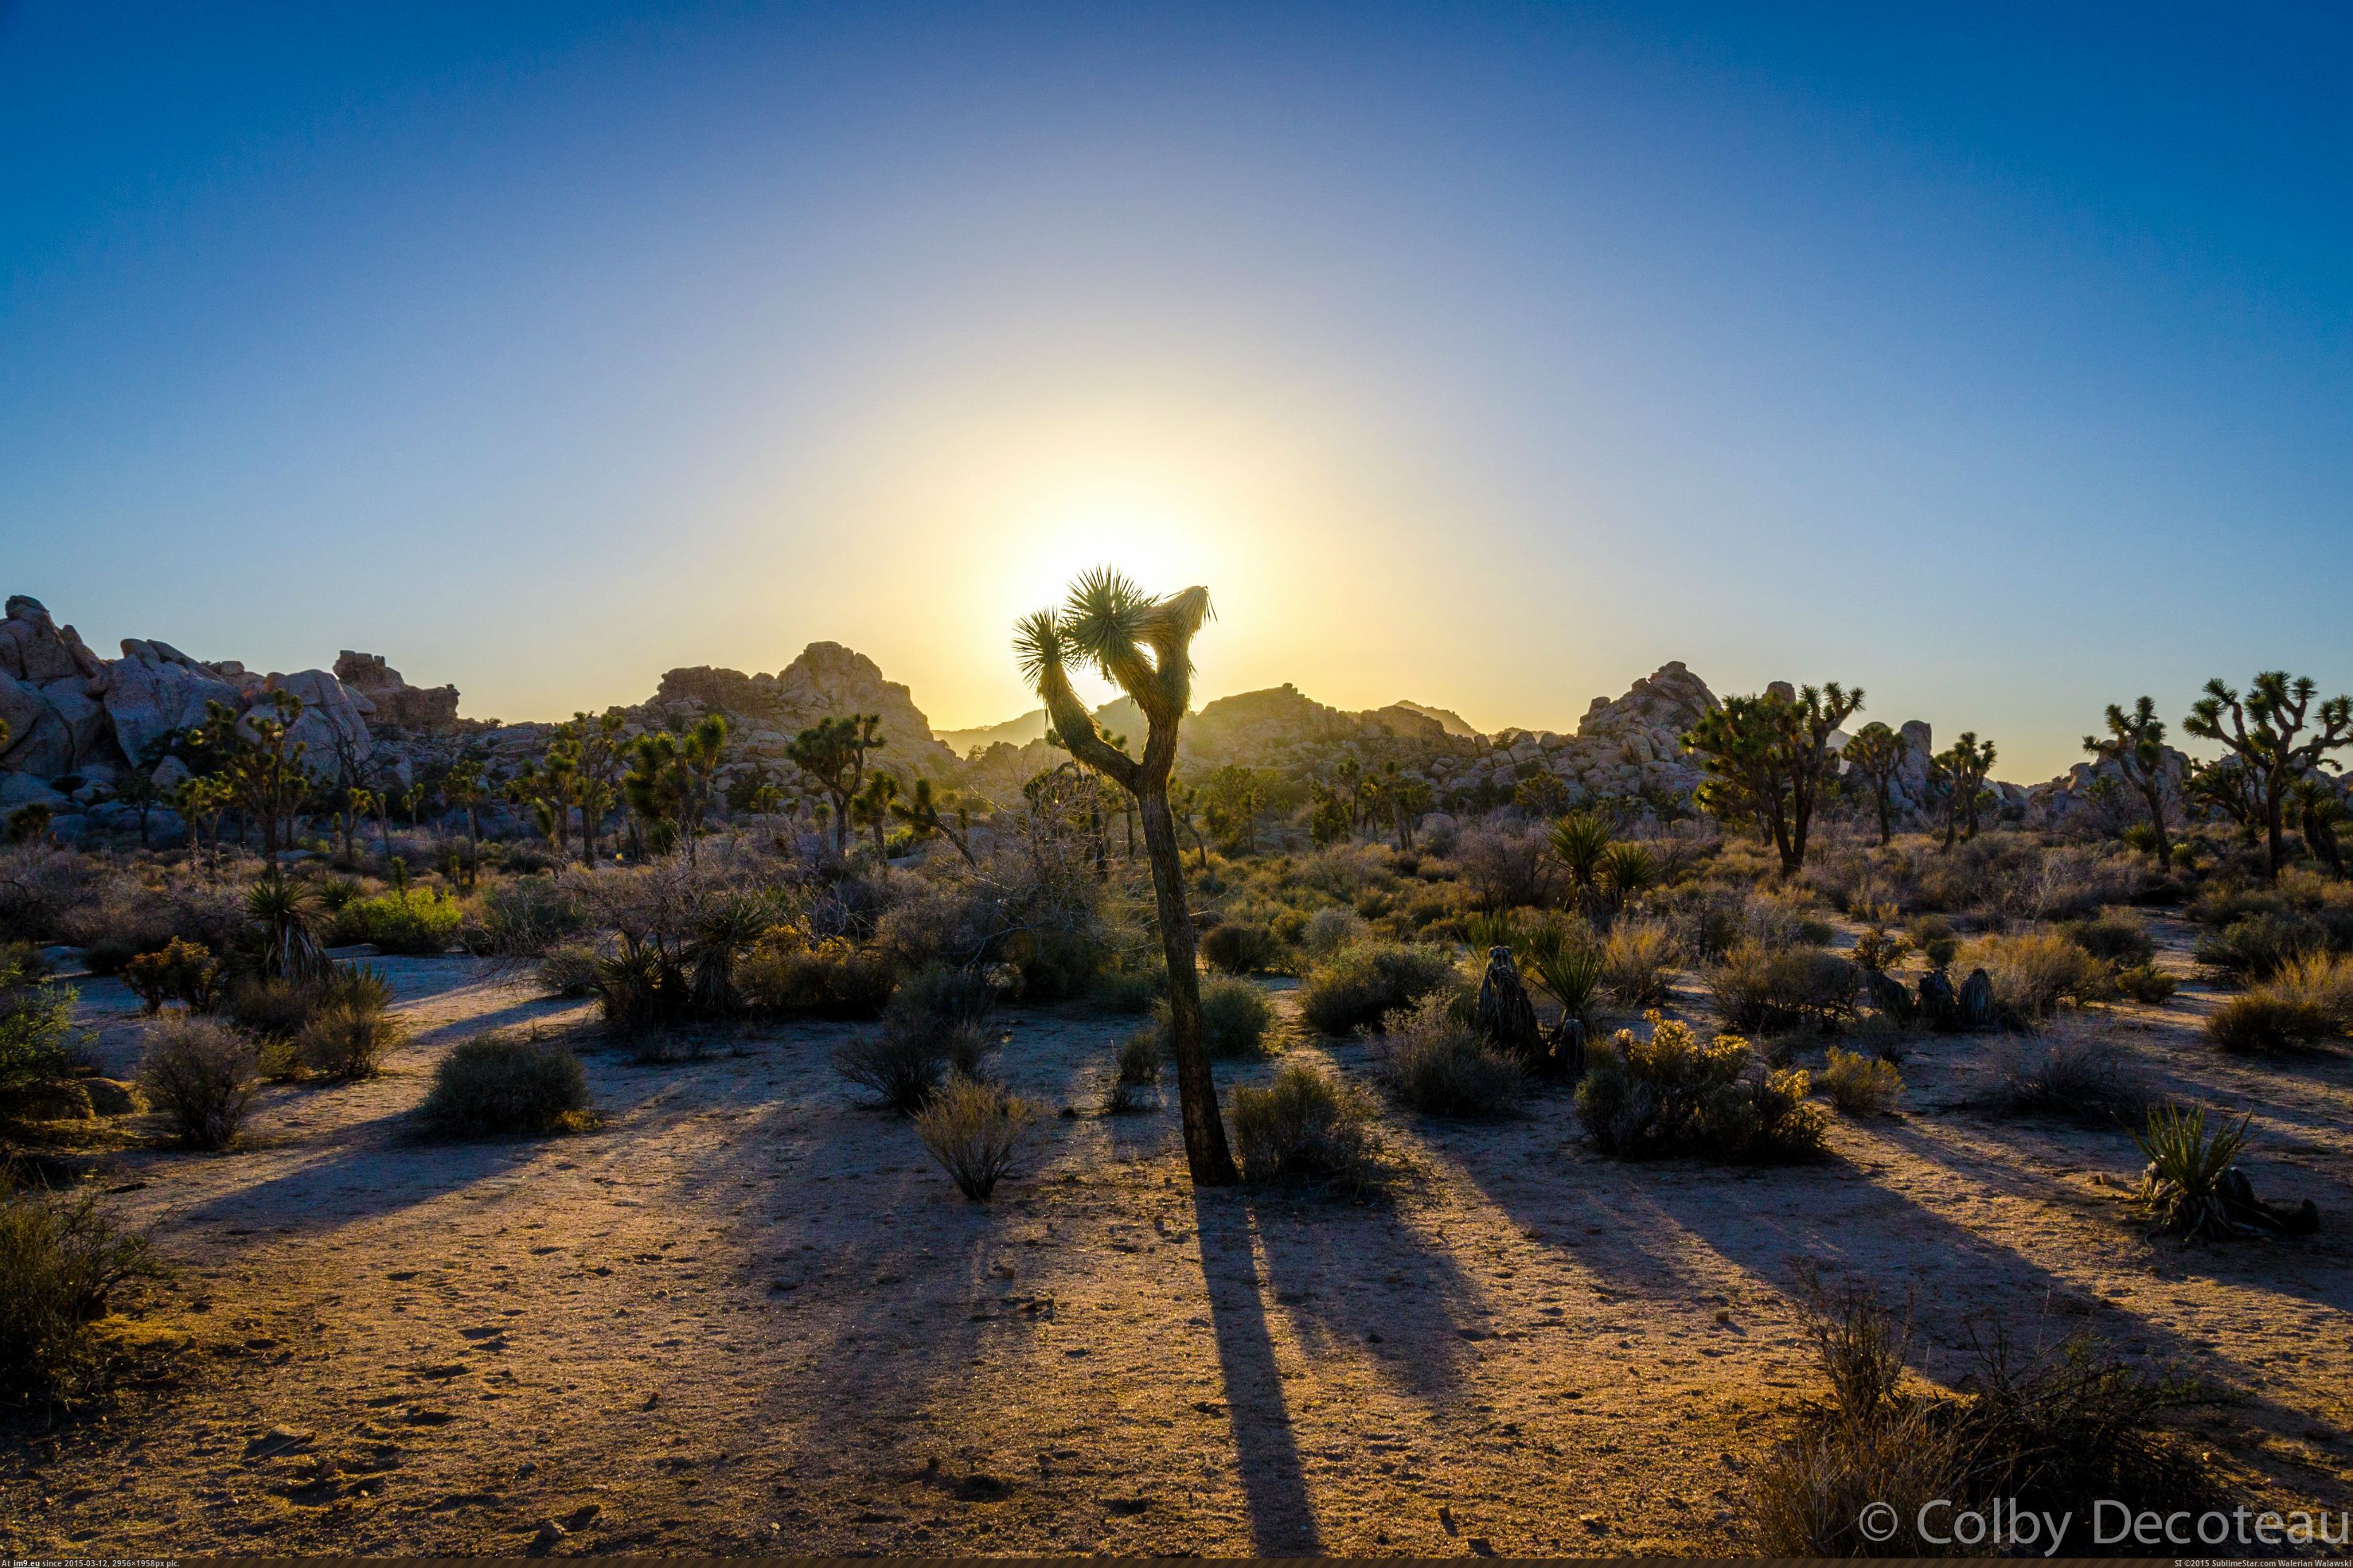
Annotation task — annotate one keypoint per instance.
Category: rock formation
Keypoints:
(392, 701)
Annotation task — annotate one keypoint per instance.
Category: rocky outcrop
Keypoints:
(394, 703)
(2096, 797)
(824, 680)
(155, 691)
(50, 689)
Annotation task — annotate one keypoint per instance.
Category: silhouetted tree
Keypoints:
(833, 752)
(1773, 751)
(2262, 731)
(1876, 756)
(1961, 768)
(2136, 743)
(1144, 646)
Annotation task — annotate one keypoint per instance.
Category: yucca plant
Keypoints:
(1579, 840)
(284, 912)
(1569, 972)
(2182, 1189)
(1627, 872)
(1488, 930)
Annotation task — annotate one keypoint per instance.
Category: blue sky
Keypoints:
(1996, 359)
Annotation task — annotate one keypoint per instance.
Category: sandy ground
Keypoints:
(750, 1314)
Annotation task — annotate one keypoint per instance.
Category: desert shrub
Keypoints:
(2255, 947)
(1306, 1125)
(1138, 1068)
(1127, 989)
(405, 920)
(1933, 938)
(2050, 1426)
(1330, 929)
(180, 971)
(525, 916)
(932, 922)
(1235, 1017)
(1506, 867)
(788, 974)
(202, 1075)
(901, 1065)
(570, 969)
(2034, 973)
(1435, 1065)
(2073, 1074)
(62, 1262)
(1365, 983)
(1240, 948)
(2146, 983)
(1674, 1094)
(267, 1006)
(36, 1040)
(975, 1130)
(2119, 939)
(497, 1084)
(949, 996)
(1758, 988)
(1288, 926)
(2183, 1189)
(1860, 1085)
(2261, 1023)
(348, 1041)
(2321, 984)
(1636, 958)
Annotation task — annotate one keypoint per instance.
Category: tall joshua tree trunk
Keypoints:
(1145, 647)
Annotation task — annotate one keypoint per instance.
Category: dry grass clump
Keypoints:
(202, 1075)
(1137, 1069)
(570, 969)
(498, 1085)
(2258, 946)
(1674, 1094)
(788, 974)
(62, 1262)
(1860, 1085)
(2034, 973)
(1433, 1064)
(975, 1131)
(2321, 984)
(347, 1041)
(2146, 982)
(1757, 988)
(2073, 1074)
(1330, 929)
(1362, 984)
(2048, 1428)
(2118, 939)
(1306, 1125)
(2264, 1023)
(1637, 958)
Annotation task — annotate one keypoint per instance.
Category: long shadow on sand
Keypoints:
(1283, 1520)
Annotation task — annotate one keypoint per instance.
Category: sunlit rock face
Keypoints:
(394, 702)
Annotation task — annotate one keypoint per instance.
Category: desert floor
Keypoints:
(750, 1314)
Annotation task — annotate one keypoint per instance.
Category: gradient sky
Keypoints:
(1997, 359)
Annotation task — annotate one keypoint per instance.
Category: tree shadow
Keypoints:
(1274, 1482)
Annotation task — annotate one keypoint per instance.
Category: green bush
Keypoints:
(36, 1039)
(2146, 982)
(1237, 948)
(62, 1262)
(2119, 939)
(180, 971)
(1235, 1017)
(1306, 1126)
(202, 1075)
(2256, 947)
(1672, 1094)
(420, 920)
(497, 1084)
(348, 1041)
(527, 915)
(1860, 1085)
(1435, 1065)
(1362, 984)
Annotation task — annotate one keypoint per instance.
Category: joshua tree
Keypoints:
(2228, 787)
(1230, 798)
(1962, 768)
(1145, 647)
(2262, 730)
(464, 789)
(263, 768)
(937, 814)
(2136, 743)
(200, 799)
(2319, 809)
(872, 806)
(1876, 754)
(833, 752)
(1773, 751)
